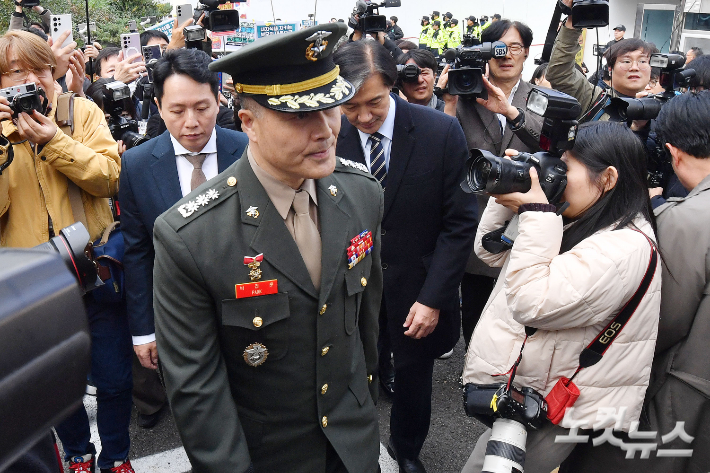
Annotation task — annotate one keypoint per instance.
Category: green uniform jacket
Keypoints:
(425, 35)
(438, 40)
(279, 415)
(453, 37)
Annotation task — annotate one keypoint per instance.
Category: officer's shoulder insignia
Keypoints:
(202, 200)
(354, 165)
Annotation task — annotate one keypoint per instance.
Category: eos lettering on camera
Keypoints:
(369, 18)
(216, 19)
(408, 73)
(24, 98)
(121, 127)
(468, 67)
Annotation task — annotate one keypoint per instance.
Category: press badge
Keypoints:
(255, 289)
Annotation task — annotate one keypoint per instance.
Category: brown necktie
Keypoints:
(198, 177)
(307, 236)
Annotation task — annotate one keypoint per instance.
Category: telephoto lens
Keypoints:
(494, 175)
(505, 450)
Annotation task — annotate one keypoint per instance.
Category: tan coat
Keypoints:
(569, 298)
(34, 187)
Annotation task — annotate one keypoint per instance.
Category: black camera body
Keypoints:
(469, 40)
(369, 18)
(25, 98)
(216, 19)
(29, 3)
(469, 65)
(587, 13)
(408, 73)
(486, 402)
(121, 128)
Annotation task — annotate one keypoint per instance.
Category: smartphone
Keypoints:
(131, 45)
(184, 13)
(60, 24)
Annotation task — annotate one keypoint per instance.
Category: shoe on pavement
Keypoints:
(447, 355)
(120, 467)
(405, 465)
(148, 421)
(82, 464)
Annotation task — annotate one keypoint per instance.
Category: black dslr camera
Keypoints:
(25, 98)
(468, 66)
(216, 19)
(408, 73)
(369, 18)
(29, 3)
(121, 128)
(587, 13)
(487, 173)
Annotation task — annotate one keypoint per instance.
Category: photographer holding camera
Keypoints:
(52, 177)
(18, 16)
(416, 74)
(565, 280)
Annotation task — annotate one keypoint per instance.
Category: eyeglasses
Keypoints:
(20, 75)
(626, 63)
(515, 49)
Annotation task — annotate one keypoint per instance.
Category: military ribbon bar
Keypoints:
(360, 246)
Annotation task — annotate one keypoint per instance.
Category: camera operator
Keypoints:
(627, 62)
(53, 180)
(419, 89)
(569, 282)
(16, 20)
(495, 125)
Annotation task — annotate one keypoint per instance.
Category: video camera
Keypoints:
(121, 128)
(490, 174)
(469, 40)
(587, 13)
(468, 67)
(216, 19)
(25, 98)
(369, 18)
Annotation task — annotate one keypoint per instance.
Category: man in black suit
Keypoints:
(418, 155)
(157, 174)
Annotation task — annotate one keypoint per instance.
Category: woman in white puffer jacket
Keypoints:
(568, 276)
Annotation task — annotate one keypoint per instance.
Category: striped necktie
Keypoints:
(377, 159)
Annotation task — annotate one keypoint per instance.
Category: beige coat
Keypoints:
(34, 186)
(569, 298)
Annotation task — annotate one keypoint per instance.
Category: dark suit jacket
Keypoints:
(280, 414)
(428, 227)
(482, 130)
(149, 186)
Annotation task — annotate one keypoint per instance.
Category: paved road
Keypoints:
(450, 440)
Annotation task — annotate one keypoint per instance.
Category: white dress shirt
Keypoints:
(386, 130)
(184, 168)
(501, 117)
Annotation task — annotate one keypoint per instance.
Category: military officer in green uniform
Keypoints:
(267, 280)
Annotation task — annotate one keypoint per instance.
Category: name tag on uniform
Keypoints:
(254, 289)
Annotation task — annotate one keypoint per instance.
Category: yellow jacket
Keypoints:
(34, 187)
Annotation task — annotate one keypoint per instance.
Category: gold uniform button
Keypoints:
(363, 281)
(369, 378)
(232, 181)
(258, 322)
(324, 351)
(323, 309)
(324, 422)
(324, 389)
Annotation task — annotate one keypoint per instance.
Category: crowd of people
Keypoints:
(298, 243)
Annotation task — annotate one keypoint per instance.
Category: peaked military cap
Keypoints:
(292, 72)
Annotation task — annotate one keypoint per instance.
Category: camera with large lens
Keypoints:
(490, 174)
(25, 98)
(510, 412)
(73, 244)
(469, 65)
(369, 18)
(408, 73)
(121, 128)
(216, 19)
(587, 13)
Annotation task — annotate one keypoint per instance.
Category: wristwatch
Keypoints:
(519, 121)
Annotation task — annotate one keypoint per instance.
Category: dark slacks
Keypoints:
(111, 352)
(475, 291)
(411, 407)
(148, 393)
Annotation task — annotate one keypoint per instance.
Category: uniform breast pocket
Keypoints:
(355, 283)
(260, 324)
